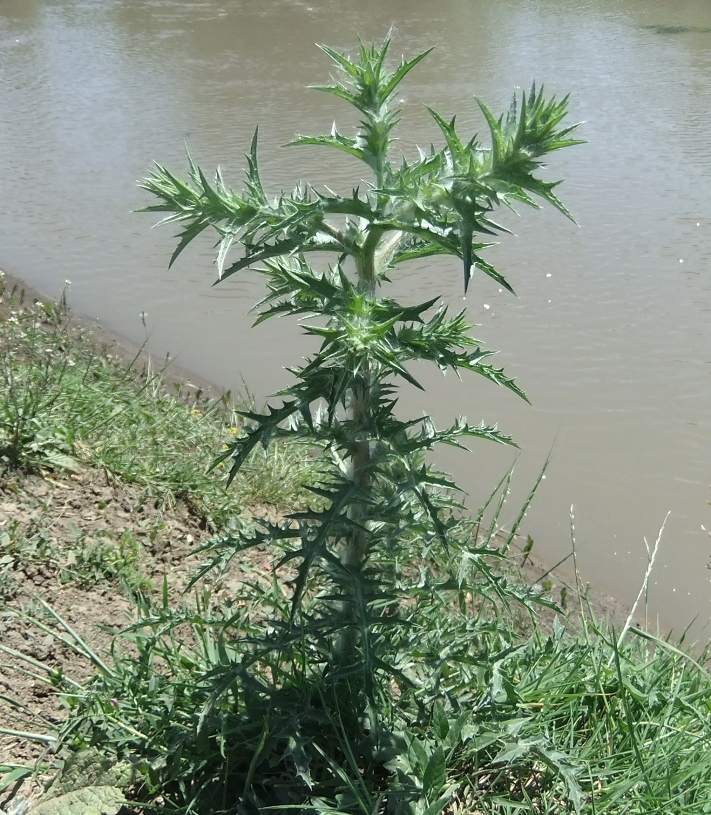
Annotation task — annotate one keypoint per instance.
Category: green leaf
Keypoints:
(512, 751)
(10, 773)
(301, 758)
(336, 140)
(445, 237)
(61, 461)
(420, 758)
(405, 67)
(341, 60)
(440, 721)
(187, 236)
(88, 784)
(279, 249)
(435, 774)
(416, 250)
(456, 148)
(491, 272)
(266, 425)
(437, 806)
(454, 735)
(98, 800)
(254, 181)
(496, 375)
(562, 764)
(91, 767)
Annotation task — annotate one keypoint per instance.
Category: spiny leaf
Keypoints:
(336, 140)
(405, 67)
(254, 181)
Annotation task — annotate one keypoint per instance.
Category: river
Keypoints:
(610, 333)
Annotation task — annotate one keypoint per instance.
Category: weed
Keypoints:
(92, 560)
(85, 560)
(379, 491)
(379, 666)
(32, 373)
(476, 719)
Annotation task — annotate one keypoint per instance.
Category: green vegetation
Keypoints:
(380, 494)
(64, 404)
(380, 664)
(85, 560)
(67, 406)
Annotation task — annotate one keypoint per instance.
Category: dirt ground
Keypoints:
(78, 507)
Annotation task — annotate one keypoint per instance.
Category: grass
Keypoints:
(86, 560)
(210, 703)
(65, 404)
(479, 719)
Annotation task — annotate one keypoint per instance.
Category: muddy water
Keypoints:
(611, 331)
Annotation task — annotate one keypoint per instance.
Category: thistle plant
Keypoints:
(380, 491)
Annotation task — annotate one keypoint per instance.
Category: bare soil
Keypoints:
(80, 506)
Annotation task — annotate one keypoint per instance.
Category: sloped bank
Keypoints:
(547, 720)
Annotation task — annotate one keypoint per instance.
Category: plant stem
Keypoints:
(355, 548)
